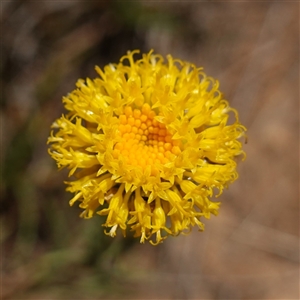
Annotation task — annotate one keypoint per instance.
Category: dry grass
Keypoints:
(250, 251)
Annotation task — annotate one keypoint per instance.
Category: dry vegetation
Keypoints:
(250, 251)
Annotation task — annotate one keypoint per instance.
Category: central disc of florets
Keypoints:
(144, 140)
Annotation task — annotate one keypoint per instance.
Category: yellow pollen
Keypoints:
(144, 140)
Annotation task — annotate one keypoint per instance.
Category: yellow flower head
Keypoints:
(147, 143)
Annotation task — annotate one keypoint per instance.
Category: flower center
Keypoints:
(144, 140)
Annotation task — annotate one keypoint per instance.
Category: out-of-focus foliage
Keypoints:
(249, 251)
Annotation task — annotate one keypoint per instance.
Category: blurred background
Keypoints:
(250, 251)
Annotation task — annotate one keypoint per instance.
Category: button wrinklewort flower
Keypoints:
(148, 144)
